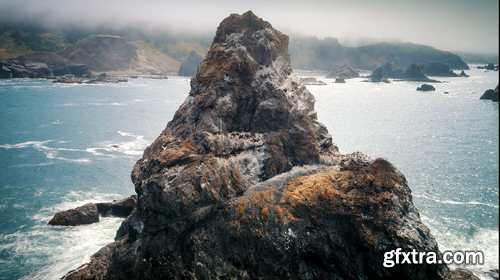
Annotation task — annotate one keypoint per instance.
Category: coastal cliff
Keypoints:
(102, 53)
(246, 183)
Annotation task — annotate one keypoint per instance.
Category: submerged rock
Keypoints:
(190, 64)
(245, 183)
(86, 214)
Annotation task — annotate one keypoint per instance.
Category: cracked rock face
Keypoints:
(247, 118)
(245, 183)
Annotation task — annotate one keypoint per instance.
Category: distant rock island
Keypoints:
(329, 54)
(416, 72)
(245, 183)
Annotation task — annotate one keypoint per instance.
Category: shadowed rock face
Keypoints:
(245, 183)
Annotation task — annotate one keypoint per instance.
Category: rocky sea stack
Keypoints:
(245, 183)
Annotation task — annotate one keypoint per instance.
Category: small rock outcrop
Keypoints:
(340, 81)
(426, 87)
(490, 94)
(489, 66)
(416, 71)
(462, 74)
(118, 208)
(86, 214)
(245, 183)
(311, 82)
(89, 213)
(190, 65)
(389, 71)
(346, 72)
(440, 69)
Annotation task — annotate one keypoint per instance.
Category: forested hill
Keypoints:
(167, 50)
(328, 54)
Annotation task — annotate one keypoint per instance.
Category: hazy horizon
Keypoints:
(455, 26)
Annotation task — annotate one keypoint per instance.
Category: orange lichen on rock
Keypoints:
(265, 212)
(242, 205)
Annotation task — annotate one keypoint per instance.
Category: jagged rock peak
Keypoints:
(245, 84)
(247, 119)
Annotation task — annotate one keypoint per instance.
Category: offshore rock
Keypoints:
(345, 72)
(312, 82)
(490, 94)
(442, 70)
(389, 70)
(190, 65)
(118, 208)
(86, 214)
(426, 87)
(245, 183)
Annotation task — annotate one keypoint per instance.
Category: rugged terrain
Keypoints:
(245, 183)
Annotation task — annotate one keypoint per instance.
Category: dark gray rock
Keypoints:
(311, 82)
(389, 70)
(426, 87)
(5, 73)
(340, 81)
(61, 69)
(190, 65)
(86, 214)
(416, 71)
(490, 94)
(439, 69)
(346, 72)
(118, 208)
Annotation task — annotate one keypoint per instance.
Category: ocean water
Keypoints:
(56, 153)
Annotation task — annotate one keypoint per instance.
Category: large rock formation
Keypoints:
(442, 70)
(41, 65)
(190, 64)
(245, 183)
(389, 70)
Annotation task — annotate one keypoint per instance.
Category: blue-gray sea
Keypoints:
(56, 153)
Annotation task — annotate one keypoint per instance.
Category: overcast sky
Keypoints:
(451, 25)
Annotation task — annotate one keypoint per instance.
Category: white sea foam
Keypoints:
(456, 202)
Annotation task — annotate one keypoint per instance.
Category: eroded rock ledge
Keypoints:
(245, 183)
